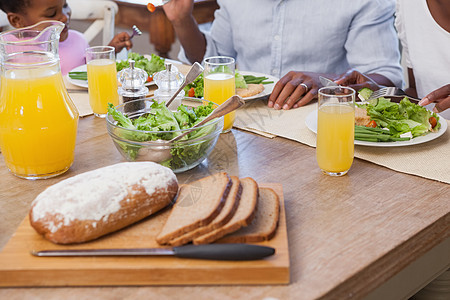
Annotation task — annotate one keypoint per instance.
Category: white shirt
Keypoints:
(329, 36)
(426, 47)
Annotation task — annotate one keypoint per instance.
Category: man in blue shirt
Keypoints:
(321, 37)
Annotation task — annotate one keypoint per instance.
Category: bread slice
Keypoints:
(243, 216)
(198, 203)
(264, 225)
(251, 90)
(361, 117)
(227, 212)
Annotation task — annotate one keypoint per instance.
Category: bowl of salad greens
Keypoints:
(142, 129)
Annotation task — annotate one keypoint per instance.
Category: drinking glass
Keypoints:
(335, 130)
(219, 84)
(102, 79)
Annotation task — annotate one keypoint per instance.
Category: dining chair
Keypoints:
(102, 14)
(4, 23)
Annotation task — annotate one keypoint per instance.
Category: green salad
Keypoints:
(151, 66)
(163, 124)
(392, 121)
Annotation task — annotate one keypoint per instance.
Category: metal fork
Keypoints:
(136, 31)
(391, 92)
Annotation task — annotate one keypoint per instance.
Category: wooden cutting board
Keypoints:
(19, 268)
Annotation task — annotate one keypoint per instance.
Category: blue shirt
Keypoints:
(324, 36)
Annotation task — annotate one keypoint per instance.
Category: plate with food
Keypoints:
(259, 85)
(385, 123)
(249, 85)
(149, 63)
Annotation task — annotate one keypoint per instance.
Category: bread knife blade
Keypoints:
(208, 251)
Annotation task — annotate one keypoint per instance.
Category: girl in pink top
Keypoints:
(22, 13)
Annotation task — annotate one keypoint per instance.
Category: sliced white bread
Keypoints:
(264, 225)
(242, 217)
(198, 203)
(227, 212)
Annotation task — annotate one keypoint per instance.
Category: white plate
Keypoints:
(267, 87)
(83, 68)
(311, 123)
(80, 83)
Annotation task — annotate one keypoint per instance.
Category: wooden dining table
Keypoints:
(373, 233)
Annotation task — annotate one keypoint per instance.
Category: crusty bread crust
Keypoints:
(265, 223)
(134, 206)
(228, 210)
(243, 217)
(192, 209)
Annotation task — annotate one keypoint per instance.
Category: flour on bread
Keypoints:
(96, 194)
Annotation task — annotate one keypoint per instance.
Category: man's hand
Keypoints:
(294, 90)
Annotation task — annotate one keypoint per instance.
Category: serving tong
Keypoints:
(193, 73)
(162, 151)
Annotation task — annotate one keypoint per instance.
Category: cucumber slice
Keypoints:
(364, 93)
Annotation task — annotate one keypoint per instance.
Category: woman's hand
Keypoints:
(294, 90)
(441, 97)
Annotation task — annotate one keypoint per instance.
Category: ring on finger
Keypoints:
(305, 86)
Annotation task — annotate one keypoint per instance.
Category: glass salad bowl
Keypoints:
(142, 129)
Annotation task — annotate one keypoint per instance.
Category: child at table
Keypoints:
(22, 13)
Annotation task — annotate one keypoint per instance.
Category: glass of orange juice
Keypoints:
(102, 79)
(219, 84)
(335, 130)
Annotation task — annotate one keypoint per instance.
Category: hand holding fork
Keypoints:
(122, 54)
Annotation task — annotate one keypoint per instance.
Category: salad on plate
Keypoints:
(382, 120)
(246, 85)
(151, 65)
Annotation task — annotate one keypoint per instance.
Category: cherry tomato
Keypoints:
(149, 78)
(151, 7)
(432, 121)
(191, 92)
(372, 124)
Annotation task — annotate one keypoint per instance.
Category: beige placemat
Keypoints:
(429, 160)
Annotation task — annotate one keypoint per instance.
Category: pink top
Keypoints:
(72, 52)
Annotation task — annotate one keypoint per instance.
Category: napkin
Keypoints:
(428, 160)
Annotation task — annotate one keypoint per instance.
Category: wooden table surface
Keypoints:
(162, 34)
(347, 236)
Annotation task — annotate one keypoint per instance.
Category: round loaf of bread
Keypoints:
(92, 204)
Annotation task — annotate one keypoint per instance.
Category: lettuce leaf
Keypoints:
(400, 117)
(239, 81)
(155, 64)
(162, 119)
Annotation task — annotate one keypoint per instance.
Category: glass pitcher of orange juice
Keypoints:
(38, 120)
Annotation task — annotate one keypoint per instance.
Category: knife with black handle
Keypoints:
(209, 251)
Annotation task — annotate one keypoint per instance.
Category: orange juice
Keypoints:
(335, 138)
(218, 87)
(102, 81)
(38, 122)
